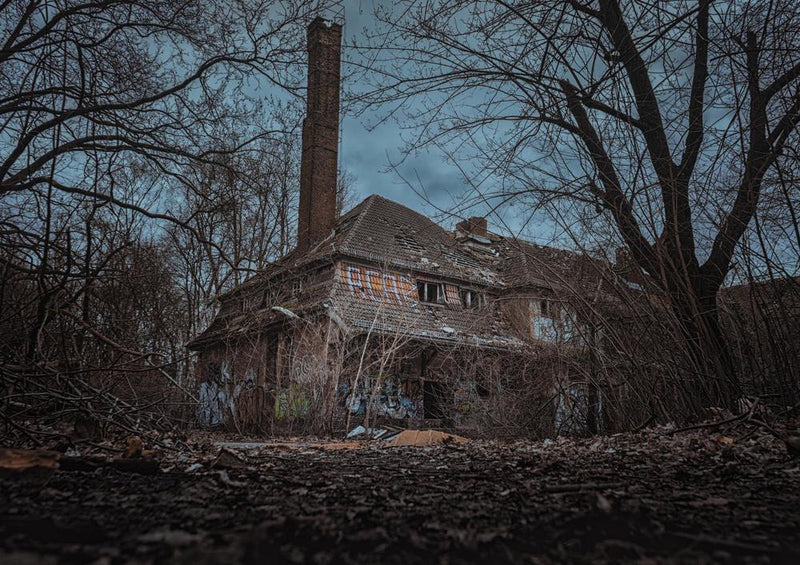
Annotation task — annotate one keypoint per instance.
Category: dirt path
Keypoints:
(692, 498)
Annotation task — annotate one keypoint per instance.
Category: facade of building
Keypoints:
(383, 314)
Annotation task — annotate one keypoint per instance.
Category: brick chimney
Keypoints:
(473, 226)
(318, 167)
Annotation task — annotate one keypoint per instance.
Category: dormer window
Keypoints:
(471, 298)
(430, 292)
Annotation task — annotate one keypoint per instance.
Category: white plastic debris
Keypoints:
(375, 433)
(286, 312)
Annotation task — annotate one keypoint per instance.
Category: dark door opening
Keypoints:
(434, 403)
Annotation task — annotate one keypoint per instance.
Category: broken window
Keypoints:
(471, 298)
(451, 294)
(430, 292)
(297, 287)
(543, 321)
(270, 297)
(552, 321)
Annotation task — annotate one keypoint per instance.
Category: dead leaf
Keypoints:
(424, 437)
(133, 449)
(227, 459)
(38, 461)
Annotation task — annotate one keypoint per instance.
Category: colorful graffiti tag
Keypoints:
(396, 399)
(372, 284)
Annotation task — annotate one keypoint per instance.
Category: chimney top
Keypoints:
(475, 225)
(319, 21)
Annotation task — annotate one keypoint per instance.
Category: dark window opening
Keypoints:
(544, 307)
(428, 292)
(434, 401)
(471, 299)
(297, 287)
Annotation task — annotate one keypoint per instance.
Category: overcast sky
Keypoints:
(366, 153)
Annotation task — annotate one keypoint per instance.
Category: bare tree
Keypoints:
(107, 109)
(666, 118)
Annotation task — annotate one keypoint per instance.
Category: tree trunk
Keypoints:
(714, 382)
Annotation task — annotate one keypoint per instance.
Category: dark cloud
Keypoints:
(424, 180)
(370, 153)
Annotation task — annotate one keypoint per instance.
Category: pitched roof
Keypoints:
(527, 265)
(384, 233)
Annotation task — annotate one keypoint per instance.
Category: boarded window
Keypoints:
(451, 294)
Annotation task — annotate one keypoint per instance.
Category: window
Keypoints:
(543, 321)
(297, 287)
(471, 298)
(552, 321)
(429, 292)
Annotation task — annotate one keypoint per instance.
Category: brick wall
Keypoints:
(318, 168)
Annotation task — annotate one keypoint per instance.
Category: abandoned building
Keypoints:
(383, 314)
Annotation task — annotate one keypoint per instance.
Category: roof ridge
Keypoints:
(367, 203)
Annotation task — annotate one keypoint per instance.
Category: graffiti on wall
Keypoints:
(372, 284)
(397, 398)
(291, 403)
(216, 400)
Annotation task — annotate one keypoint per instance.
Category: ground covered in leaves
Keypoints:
(652, 497)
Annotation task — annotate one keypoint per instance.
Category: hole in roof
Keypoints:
(461, 259)
(408, 242)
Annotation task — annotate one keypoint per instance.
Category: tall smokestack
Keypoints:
(318, 167)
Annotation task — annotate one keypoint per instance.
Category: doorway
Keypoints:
(434, 400)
